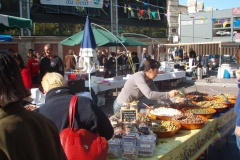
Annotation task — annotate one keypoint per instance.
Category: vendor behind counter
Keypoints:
(141, 84)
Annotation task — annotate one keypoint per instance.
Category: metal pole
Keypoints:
(193, 28)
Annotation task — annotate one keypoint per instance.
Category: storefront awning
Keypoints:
(7, 22)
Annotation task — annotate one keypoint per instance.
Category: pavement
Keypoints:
(228, 151)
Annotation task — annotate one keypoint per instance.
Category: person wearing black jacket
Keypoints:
(88, 115)
(50, 63)
(192, 55)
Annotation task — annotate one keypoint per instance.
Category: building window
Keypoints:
(45, 29)
(186, 22)
(236, 25)
(222, 27)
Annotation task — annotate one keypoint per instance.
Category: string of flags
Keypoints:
(191, 15)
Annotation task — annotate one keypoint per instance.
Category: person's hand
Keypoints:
(180, 100)
(238, 74)
(237, 131)
(172, 93)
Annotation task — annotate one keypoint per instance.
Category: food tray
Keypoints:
(193, 109)
(129, 152)
(163, 134)
(194, 125)
(113, 151)
(128, 142)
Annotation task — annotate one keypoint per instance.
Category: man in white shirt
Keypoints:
(144, 53)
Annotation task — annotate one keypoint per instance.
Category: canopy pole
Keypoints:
(220, 61)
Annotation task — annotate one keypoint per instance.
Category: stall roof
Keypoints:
(230, 44)
(223, 44)
(186, 44)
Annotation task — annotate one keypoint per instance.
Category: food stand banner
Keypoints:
(77, 3)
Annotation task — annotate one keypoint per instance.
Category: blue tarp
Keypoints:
(6, 38)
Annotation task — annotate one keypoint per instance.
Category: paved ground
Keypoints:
(227, 152)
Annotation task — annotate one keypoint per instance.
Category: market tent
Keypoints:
(6, 38)
(102, 38)
(8, 22)
(223, 45)
(132, 42)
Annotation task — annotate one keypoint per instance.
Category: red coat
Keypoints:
(26, 77)
(33, 66)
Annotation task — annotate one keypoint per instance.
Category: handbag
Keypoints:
(79, 143)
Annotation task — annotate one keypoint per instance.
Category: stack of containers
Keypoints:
(146, 146)
(129, 148)
(114, 148)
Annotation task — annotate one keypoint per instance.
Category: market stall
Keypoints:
(202, 122)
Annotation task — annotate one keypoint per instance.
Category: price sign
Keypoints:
(128, 115)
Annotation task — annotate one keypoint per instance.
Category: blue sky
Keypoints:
(218, 4)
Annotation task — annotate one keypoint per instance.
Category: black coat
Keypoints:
(55, 64)
(88, 115)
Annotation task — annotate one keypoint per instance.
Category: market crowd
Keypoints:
(30, 135)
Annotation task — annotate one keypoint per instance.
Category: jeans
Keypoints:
(116, 108)
(238, 142)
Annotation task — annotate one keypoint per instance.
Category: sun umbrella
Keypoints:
(102, 38)
(11, 22)
(88, 47)
(6, 38)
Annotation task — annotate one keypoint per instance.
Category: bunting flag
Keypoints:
(153, 14)
(224, 24)
(214, 20)
(96, 2)
(166, 14)
(236, 23)
(141, 12)
(223, 20)
(192, 15)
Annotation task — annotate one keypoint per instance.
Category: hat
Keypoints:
(144, 49)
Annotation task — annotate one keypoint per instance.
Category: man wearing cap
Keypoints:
(70, 62)
(144, 53)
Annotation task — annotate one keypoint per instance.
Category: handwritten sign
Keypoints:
(128, 115)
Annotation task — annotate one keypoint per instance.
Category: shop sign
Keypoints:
(175, 39)
(236, 11)
(77, 3)
(128, 115)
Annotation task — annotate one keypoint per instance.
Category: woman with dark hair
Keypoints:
(23, 134)
(26, 76)
(141, 84)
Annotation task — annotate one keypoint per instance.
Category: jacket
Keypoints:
(27, 135)
(88, 115)
(33, 66)
(70, 62)
(26, 77)
(136, 87)
(54, 64)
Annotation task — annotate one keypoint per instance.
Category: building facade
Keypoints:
(53, 23)
(210, 26)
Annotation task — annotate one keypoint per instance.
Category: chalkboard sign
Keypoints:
(128, 115)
